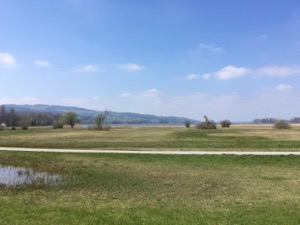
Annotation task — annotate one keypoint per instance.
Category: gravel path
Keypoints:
(169, 152)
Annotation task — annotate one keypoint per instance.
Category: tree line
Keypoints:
(12, 118)
(274, 120)
(24, 120)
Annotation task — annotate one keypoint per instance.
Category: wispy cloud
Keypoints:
(41, 63)
(24, 100)
(211, 48)
(7, 60)
(193, 76)
(86, 69)
(278, 71)
(206, 76)
(151, 93)
(131, 67)
(284, 87)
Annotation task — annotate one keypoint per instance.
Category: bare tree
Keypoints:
(2, 114)
(99, 119)
(12, 118)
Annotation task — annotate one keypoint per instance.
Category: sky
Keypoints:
(237, 60)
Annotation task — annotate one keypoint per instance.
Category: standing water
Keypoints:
(18, 176)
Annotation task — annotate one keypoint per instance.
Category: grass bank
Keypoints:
(240, 138)
(155, 189)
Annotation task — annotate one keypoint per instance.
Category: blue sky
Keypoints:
(236, 60)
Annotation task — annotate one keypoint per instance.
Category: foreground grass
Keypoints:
(149, 189)
(240, 138)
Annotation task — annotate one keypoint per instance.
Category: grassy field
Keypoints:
(152, 189)
(240, 138)
(155, 189)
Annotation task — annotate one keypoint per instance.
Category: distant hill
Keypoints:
(87, 115)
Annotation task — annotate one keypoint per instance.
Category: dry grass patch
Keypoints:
(238, 137)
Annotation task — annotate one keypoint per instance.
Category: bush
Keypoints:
(99, 119)
(208, 124)
(58, 125)
(282, 124)
(187, 123)
(96, 128)
(225, 123)
(1, 128)
(24, 123)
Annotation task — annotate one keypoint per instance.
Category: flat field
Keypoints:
(154, 189)
(236, 138)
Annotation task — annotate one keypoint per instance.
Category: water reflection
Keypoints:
(17, 176)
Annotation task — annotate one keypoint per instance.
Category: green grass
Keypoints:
(240, 138)
(155, 189)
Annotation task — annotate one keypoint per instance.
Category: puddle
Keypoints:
(18, 176)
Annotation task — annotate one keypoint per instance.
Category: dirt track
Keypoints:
(162, 152)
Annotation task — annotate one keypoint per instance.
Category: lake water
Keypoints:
(18, 176)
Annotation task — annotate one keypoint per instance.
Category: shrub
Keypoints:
(207, 124)
(95, 128)
(107, 128)
(282, 124)
(99, 119)
(24, 123)
(1, 128)
(58, 125)
(187, 123)
(225, 123)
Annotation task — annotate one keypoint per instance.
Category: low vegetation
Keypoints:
(237, 138)
(225, 123)
(187, 123)
(207, 124)
(153, 189)
(24, 123)
(58, 125)
(282, 124)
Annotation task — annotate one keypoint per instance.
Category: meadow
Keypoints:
(236, 138)
(154, 189)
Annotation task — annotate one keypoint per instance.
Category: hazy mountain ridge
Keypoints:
(87, 115)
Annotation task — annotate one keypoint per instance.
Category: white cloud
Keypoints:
(212, 48)
(206, 76)
(7, 59)
(151, 93)
(284, 87)
(126, 94)
(86, 69)
(230, 72)
(21, 101)
(193, 76)
(131, 67)
(41, 63)
(278, 71)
